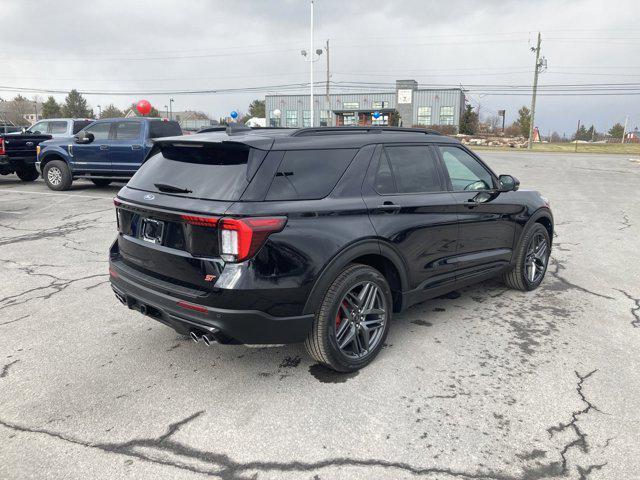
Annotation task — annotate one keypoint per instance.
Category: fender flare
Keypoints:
(334, 266)
(58, 152)
(542, 212)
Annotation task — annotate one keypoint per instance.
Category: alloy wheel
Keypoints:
(537, 257)
(54, 176)
(361, 319)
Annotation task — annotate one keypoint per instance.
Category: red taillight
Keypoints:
(241, 238)
(191, 306)
(2, 150)
(200, 221)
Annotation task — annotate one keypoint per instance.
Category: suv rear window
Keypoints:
(309, 174)
(161, 128)
(209, 171)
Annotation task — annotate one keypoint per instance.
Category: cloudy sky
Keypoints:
(159, 46)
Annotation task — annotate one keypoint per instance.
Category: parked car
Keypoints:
(19, 149)
(317, 235)
(5, 128)
(107, 150)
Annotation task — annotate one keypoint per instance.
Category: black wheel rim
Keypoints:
(537, 257)
(361, 319)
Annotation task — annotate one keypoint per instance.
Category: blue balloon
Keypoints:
(376, 114)
(234, 114)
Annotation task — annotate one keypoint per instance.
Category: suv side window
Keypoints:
(126, 130)
(80, 124)
(309, 174)
(100, 130)
(408, 169)
(465, 172)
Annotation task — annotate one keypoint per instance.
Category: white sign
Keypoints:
(404, 95)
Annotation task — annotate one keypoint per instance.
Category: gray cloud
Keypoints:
(96, 46)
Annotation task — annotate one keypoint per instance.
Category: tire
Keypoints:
(27, 174)
(57, 176)
(322, 343)
(99, 182)
(519, 277)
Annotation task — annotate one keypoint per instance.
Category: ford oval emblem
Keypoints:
(29, 144)
(149, 197)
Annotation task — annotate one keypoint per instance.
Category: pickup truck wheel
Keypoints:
(99, 182)
(57, 176)
(352, 322)
(27, 174)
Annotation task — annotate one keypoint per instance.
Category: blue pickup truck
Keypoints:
(105, 151)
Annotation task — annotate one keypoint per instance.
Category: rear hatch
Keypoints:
(168, 214)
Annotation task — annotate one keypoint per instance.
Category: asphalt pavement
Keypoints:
(488, 383)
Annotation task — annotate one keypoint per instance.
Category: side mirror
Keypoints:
(84, 137)
(508, 183)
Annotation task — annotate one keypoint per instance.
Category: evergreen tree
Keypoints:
(257, 109)
(524, 121)
(469, 121)
(51, 108)
(75, 106)
(617, 130)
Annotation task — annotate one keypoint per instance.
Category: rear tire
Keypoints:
(99, 182)
(57, 176)
(352, 322)
(531, 259)
(27, 174)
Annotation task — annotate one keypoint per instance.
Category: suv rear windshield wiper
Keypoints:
(163, 187)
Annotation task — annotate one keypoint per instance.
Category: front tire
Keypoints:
(57, 176)
(27, 174)
(531, 259)
(352, 322)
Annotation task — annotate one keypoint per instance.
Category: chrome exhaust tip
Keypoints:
(208, 339)
(194, 336)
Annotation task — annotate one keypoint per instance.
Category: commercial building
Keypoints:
(409, 105)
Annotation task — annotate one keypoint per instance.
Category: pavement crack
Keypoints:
(53, 232)
(566, 284)
(580, 437)
(585, 472)
(5, 369)
(15, 320)
(635, 310)
(626, 223)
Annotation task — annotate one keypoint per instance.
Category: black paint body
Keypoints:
(425, 244)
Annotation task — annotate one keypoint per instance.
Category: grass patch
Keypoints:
(610, 148)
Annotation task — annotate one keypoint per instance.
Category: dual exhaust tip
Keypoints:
(207, 338)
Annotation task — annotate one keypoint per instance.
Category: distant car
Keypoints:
(105, 151)
(317, 235)
(6, 129)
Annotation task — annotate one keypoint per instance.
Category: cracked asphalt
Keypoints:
(487, 383)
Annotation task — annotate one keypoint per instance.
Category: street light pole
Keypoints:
(171, 109)
(99, 111)
(311, 66)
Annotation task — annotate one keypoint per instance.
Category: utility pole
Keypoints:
(539, 64)
(311, 66)
(171, 109)
(576, 139)
(624, 131)
(327, 87)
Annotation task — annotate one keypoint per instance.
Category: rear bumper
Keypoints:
(228, 326)
(13, 161)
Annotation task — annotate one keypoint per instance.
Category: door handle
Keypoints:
(389, 206)
(136, 147)
(104, 147)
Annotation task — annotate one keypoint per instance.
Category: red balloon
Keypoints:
(144, 107)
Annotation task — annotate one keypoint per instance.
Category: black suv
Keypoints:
(318, 235)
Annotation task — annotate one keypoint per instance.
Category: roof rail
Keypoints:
(308, 132)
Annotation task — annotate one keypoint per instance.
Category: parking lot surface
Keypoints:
(487, 383)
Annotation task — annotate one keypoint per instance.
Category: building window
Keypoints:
(306, 118)
(291, 118)
(273, 120)
(379, 105)
(446, 116)
(324, 118)
(424, 115)
(381, 120)
(350, 119)
(350, 105)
